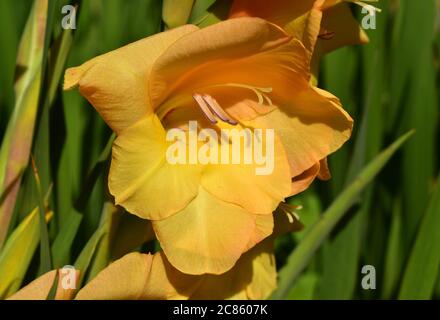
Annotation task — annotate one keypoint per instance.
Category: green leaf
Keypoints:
(97, 169)
(45, 256)
(305, 250)
(176, 13)
(13, 16)
(85, 260)
(17, 253)
(424, 262)
(394, 253)
(61, 248)
(305, 287)
(199, 10)
(219, 11)
(20, 129)
(414, 104)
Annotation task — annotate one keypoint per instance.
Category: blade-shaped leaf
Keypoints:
(16, 146)
(17, 253)
(424, 262)
(176, 13)
(308, 246)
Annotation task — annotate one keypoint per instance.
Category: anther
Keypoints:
(204, 107)
(218, 110)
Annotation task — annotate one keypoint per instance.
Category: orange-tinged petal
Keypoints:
(301, 19)
(145, 277)
(311, 127)
(241, 85)
(124, 279)
(116, 83)
(302, 181)
(209, 235)
(307, 19)
(213, 46)
(345, 29)
(324, 170)
(40, 288)
(280, 12)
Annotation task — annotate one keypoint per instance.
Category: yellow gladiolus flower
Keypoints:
(238, 74)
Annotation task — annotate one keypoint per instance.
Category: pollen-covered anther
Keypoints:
(218, 110)
(212, 109)
(204, 107)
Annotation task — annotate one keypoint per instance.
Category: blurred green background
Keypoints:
(388, 86)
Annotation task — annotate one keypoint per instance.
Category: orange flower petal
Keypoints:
(324, 170)
(209, 235)
(312, 126)
(179, 68)
(302, 182)
(116, 83)
(301, 19)
(40, 288)
(339, 20)
(124, 279)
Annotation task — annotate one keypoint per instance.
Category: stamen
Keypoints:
(204, 107)
(290, 217)
(218, 110)
(289, 210)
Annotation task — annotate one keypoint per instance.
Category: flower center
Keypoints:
(209, 106)
(214, 112)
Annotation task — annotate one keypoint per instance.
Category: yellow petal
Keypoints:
(250, 273)
(166, 282)
(124, 279)
(209, 235)
(132, 232)
(116, 83)
(312, 126)
(40, 288)
(145, 277)
(243, 185)
(142, 180)
(264, 272)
